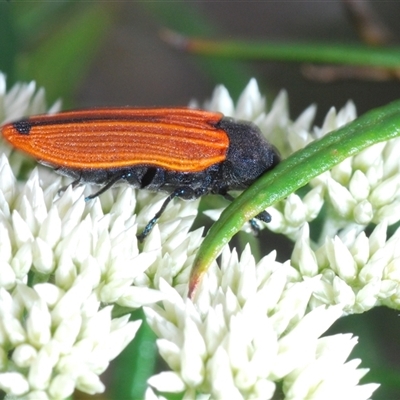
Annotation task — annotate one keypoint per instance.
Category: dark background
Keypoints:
(135, 67)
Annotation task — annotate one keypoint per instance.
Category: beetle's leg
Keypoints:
(73, 184)
(263, 216)
(107, 186)
(184, 192)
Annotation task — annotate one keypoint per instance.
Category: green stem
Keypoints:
(291, 174)
(387, 57)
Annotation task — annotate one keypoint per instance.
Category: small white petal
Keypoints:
(264, 389)
(392, 270)
(50, 229)
(97, 327)
(215, 328)
(347, 113)
(25, 212)
(50, 293)
(42, 256)
(329, 124)
(37, 395)
(193, 355)
(305, 119)
(368, 157)
(292, 356)
(271, 291)
(360, 249)
(125, 201)
(170, 352)
(250, 103)
(342, 171)
(341, 260)
(42, 367)
(66, 271)
(363, 392)
(67, 332)
(303, 257)
(169, 382)
(7, 275)
(292, 306)
(359, 186)
(14, 383)
(295, 212)
(377, 238)
(23, 355)
(313, 202)
(5, 243)
(70, 208)
(120, 338)
(390, 157)
(38, 324)
(61, 387)
(388, 289)
(385, 192)
(13, 330)
(343, 293)
(35, 195)
(223, 382)
(161, 326)
(22, 261)
(90, 383)
(71, 302)
(90, 272)
(8, 181)
(367, 297)
(372, 271)
(248, 284)
(389, 213)
(22, 230)
(363, 213)
(221, 101)
(340, 198)
(135, 297)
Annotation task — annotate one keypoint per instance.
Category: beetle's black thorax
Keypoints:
(249, 154)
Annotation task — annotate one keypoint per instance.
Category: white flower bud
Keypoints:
(359, 185)
(363, 213)
(341, 260)
(295, 212)
(303, 257)
(313, 201)
(385, 192)
(340, 198)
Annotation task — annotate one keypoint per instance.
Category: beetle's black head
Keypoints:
(249, 154)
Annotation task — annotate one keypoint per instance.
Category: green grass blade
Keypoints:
(388, 57)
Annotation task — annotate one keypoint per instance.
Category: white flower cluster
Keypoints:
(61, 262)
(248, 329)
(64, 265)
(357, 275)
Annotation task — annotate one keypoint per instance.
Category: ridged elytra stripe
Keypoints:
(178, 139)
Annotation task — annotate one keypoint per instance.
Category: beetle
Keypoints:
(185, 152)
